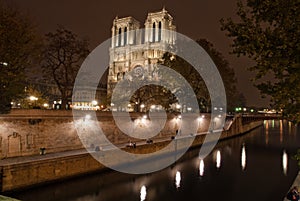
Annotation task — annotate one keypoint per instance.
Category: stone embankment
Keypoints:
(23, 135)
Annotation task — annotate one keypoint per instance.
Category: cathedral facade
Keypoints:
(136, 48)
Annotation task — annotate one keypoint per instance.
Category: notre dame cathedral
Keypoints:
(134, 47)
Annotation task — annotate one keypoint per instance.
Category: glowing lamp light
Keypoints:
(4, 63)
(200, 118)
(87, 117)
(94, 102)
(142, 106)
(33, 98)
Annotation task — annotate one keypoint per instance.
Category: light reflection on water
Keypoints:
(284, 162)
(259, 160)
(218, 159)
(243, 157)
(177, 179)
(201, 167)
(143, 193)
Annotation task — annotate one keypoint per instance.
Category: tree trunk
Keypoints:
(64, 101)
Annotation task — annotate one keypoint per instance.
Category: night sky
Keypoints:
(194, 18)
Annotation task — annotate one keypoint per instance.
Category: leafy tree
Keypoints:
(196, 81)
(64, 52)
(18, 46)
(268, 32)
(33, 99)
(234, 98)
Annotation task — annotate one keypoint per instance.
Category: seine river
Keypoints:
(257, 166)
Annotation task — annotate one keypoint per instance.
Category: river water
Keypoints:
(257, 166)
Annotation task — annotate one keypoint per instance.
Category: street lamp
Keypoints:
(33, 98)
(142, 107)
(4, 63)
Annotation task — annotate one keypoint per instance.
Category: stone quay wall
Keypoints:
(25, 173)
(25, 132)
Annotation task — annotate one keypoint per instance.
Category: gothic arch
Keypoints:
(153, 32)
(125, 36)
(119, 37)
(159, 31)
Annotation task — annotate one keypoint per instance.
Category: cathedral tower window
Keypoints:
(119, 37)
(153, 32)
(159, 31)
(125, 36)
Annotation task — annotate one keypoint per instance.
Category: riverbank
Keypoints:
(22, 172)
(295, 183)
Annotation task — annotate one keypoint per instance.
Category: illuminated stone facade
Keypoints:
(135, 48)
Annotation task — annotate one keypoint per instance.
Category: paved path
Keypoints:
(26, 159)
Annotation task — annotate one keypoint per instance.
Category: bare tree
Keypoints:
(63, 55)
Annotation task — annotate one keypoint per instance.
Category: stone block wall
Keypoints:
(24, 132)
